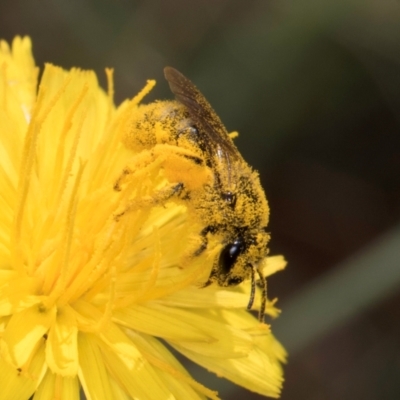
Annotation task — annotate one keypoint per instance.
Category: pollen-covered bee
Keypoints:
(229, 200)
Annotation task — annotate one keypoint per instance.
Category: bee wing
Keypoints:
(217, 139)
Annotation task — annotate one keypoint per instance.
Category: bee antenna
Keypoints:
(253, 288)
(263, 284)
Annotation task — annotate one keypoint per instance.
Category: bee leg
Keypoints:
(204, 239)
(178, 165)
(139, 166)
(200, 250)
(209, 281)
(160, 197)
(203, 246)
(253, 288)
(263, 284)
(121, 179)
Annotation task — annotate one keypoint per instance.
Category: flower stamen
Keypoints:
(59, 274)
(61, 147)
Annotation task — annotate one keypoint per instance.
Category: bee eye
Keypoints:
(229, 255)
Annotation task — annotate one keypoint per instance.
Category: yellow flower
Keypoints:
(85, 296)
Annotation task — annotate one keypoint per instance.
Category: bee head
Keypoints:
(237, 259)
(227, 262)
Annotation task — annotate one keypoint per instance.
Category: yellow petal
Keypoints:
(93, 375)
(258, 370)
(62, 346)
(219, 339)
(24, 331)
(174, 375)
(255, 372)
(129, 367)
(273, 264)
(20, 384)
(56, 387)
(229, 342)
(118, 391)
(20, 70)
(158, 321)
(208, 297)
(110, 346)
(15, 294)
(215, 297)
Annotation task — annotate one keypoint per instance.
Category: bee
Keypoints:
(231, 202)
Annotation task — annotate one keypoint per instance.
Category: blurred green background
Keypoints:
(313, 87)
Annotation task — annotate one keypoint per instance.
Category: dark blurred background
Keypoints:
(313, 87)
